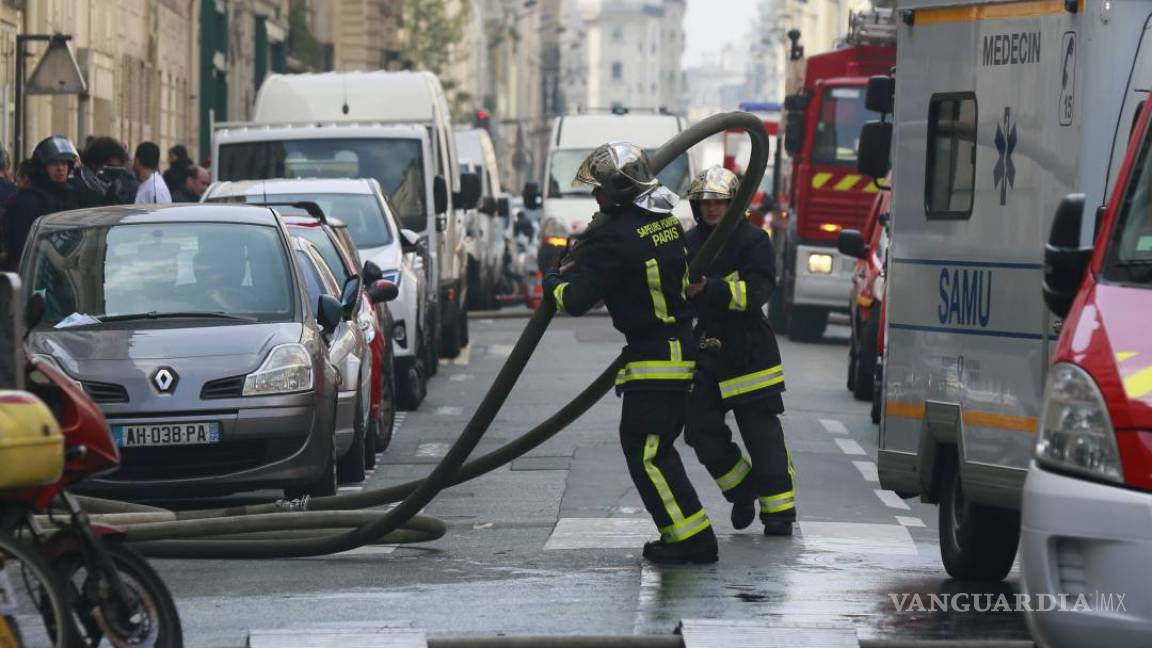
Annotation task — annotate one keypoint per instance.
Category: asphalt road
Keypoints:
(550, 544)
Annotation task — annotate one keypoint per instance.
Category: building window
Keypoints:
(950, 170)
(617, 34)
(617, 71)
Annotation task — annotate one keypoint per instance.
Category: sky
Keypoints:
(709, 24)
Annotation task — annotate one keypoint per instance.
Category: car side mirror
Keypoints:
(371, 272)
(34, 310)
(350, 296)
(439, 195)
(875, 146)
(531, 195)
(881, 95)
(851, 243)
(469, 194)
(1065, 261)
(794, 133)
(503, 208)
(488, 206)
(382, 291)
(329, 313)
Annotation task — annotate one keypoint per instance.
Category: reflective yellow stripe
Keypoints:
(736, 476)
(686, 529)
(651, 446)
(751, 382)
(739, 292)
(1138, 384)
(999, 11)
(676, 353)
(1125, 355)
(871, 188)
(780, 502)
(558, 294)
(848, 182)
(656, 370)
(684, 283)
(820, 179)
(654, 288)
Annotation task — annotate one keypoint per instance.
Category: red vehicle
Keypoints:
(110, 591)
(820, 190)
(870, 249)
(1089, 489)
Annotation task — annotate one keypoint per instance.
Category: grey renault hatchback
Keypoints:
(192, 328)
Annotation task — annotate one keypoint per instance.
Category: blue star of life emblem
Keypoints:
(1004, 174)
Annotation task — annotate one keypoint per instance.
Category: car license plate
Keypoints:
(166, 434)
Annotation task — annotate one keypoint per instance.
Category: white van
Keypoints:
(489, 236)
(567, 210)
(998, 115)
(391, 126)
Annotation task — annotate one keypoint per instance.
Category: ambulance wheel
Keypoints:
(807, 323)
(976, 542)
(865, 364)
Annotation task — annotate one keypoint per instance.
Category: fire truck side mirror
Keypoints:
(1065, 261)
(875, 147)
(881, 95)
(793, 133)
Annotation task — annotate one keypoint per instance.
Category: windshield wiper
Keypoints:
(127, 317)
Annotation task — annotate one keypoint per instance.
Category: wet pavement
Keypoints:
(550, 544)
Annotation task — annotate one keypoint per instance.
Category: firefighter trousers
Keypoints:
(649, 425)
(767, 473)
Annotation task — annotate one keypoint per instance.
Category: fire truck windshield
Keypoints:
(842, 113)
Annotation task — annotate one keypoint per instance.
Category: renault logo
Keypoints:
(165, 380)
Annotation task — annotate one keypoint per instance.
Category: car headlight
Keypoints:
(1076, 432)
(400, 334)
(820, 263)
(287, 369)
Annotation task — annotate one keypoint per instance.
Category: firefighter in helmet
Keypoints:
(50, 192)
(632, 257)
(739, 366)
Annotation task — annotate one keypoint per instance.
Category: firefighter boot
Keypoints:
(700, 548)
(743, 500)
(778, 524)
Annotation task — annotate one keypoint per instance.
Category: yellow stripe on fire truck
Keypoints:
(846, 182)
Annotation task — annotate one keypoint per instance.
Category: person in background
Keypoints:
(147, 166)
(195, 183)
(109, 158)
(7, 187)
(178, 162)
(48, 192)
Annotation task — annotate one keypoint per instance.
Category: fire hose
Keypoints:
(327, 525)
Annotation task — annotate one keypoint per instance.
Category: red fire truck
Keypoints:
(820, 191)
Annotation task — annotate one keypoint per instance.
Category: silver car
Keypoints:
(193, 328)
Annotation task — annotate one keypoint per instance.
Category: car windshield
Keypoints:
(1129, 255)
(842, 114)
(162, 269)
(566, 162)
(327, 249)
(396, 163)
(366, 220)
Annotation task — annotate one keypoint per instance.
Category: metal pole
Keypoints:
(18, 135)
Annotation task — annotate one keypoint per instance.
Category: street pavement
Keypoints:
(550, 544)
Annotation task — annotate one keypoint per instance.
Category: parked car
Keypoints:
(375, 229)
(487, 236)
(870, 249)
(374, 426)
(192, 328)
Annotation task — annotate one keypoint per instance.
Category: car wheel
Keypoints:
(350, 468)
(866, 360)
(410, 383)
(976, 542)
(451, 342)
(852, 358)
(475, 287)
(431, 341)
(370, 436)
(387, 418)
(324, 486)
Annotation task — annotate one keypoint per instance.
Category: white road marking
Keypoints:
(857, 537)
(460, 377)
(904, 520)
(464, 358)
(449, 411)
(432, 450)
(850, 446)
(600, 533)
(366, 550)
(867, 471)
(891, 499)
(500, 350)
(648, 599)
(835, 427)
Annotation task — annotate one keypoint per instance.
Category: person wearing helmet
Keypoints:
(632, 258)
(48, 193)
(739, 367)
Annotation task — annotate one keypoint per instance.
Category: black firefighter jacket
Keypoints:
(634, 260)
(729, 309)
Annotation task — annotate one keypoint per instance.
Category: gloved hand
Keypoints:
(551, 280)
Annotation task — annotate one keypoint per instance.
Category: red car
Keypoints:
(870, 248)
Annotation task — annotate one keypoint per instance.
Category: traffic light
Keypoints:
(481, 119)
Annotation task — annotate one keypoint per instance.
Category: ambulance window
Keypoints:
(950, 170)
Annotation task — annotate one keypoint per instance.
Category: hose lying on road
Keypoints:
(216, 530)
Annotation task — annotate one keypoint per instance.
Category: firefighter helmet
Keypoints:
(54, 149)
(621, 170)
(715, 183)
